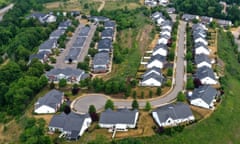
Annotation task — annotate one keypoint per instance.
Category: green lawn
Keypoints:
(130, 4)
(222, 127)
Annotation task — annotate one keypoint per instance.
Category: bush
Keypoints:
(181, 97)
(148, 106)
(135, 104)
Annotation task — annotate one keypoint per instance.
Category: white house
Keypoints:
(71, 125)
(160, 20)
(155, 70)
(123, 117)
(204, 97)
(101, 62)
(165, 32)
(166, 27)
(163, 40)
(152, 79)
(156, 15)
(49, 103)
(202, 60)
(201, 39)
(201, 49)
(156, 61)
(206, 76)
(160, 49)
(172, 115)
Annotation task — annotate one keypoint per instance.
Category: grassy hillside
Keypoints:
(223, 126)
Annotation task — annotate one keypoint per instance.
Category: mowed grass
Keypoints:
(119, 4)
(222, 127)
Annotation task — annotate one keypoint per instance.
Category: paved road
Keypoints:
(81, 104)
(4, 10)
(84, 51)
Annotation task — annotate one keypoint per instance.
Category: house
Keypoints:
(107, 33)
(84, 32)
(166, 26)
(48, 45)
(152, 79)
(206, 76)
(189, 17)
(56, 34)
(71, 75)
(110, 25)
(75, 13)
(202, 60)
(204, 97)
(44, 18)
(98, 18)
(123, 118)
(72, 125)
(101, 62)
(197, 38)
(79, 42)
(166, 32)
(72, 56)
(199, 32)
(163, 2)
(160, 20)
(199, 26)
(206, 19)
(105, 45)
(151, 3)
(224, 23)
(41, 56)
(171, 10)
(163, 39)
(156, 15)
(160, 49)
(157, 61)
(50, 103)
(155, 70)
(64, 24)
(201, 48)
(172, 115)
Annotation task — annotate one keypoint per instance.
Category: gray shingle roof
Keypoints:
(124, 116)
(107, 33)
(84, 31)
(204, 72)
(160, 46)
(156, 15)
(109, 24)
(79, 42)
(156, 69)
(51, 99)
(71, 123)
(198, 44)
(57, 33)
(174, 111)
(202, 58)
(101, 58)
(65, 71)
(206, 93)
(189, 17)
(158, 57)
(48, 44)
(65, 24)
(153, 75)
(40, 55)
(171, 10)
(167, 23)
(197, 26)
(105, 44)
(73, 54)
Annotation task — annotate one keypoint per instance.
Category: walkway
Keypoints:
(4, 10)
(81, 104)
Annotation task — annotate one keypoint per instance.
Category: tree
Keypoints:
(91, 109)
(181, 97)
(66, 109)
(135, 104)
(159, 91)
(171, 55)
(148, 106)
(43, 81)
(62, 83)
(169, 72)
(190, 84)
(52, 85)
(109, 104)
(134, 95)
(150, 93)
(189, 56)
(75, 89)
(189, 67)
(142, 94)
(92, 112)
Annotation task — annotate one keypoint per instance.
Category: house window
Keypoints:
(169, 121)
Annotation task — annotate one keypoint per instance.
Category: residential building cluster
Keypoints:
(206, 20)
(44, 18)
(101, 61)
(73, 125)
(158, 59)
(203, 96)
(46, 48)
(153, 3)
(78, 45)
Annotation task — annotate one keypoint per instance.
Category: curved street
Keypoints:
(81, 104)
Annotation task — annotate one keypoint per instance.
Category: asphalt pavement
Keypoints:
(82, 103)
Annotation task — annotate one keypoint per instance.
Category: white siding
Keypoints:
(44, 110)
(208, 80)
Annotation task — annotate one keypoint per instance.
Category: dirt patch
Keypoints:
(201, 112)
(143, 38)
(213, 43)
(10, 132)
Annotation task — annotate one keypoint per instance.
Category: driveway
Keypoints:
(81, 105)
